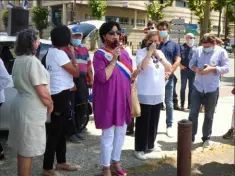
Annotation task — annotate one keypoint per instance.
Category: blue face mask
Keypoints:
(76, 42)
(191, 42)
(208, 50)
(163, 34)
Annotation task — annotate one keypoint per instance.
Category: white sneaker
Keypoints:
(155, 149)
(140, 155)
(170, 132)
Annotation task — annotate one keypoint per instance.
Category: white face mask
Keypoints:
(208, 50)
(191, 42)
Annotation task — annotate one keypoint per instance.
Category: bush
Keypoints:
(40, 18)
(5, 18)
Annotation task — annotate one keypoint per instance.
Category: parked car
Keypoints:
(7, 55)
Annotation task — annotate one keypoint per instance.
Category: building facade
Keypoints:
(131, 15)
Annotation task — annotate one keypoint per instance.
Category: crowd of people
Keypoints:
(57, 87)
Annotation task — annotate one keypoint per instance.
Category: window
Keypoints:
(124, 20)
(112, 18)
(181, 4)
(139, 22)
(215, 28)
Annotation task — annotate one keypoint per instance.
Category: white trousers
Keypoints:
(112, 140)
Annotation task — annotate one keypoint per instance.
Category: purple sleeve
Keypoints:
(99, 67)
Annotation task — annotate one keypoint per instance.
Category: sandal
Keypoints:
(118, 171)
(106, 171)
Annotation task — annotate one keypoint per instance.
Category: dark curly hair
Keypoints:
(61, 36)
(107, 27)
(24, 42)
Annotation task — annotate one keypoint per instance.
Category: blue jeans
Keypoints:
(186, 75)
(169, 101)
(210, 102)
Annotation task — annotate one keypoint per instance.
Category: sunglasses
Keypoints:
(114, 32)
(150, 28)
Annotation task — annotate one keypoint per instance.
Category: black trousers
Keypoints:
(1, 148)
(72, 129)
(56, 130)
(147, 127)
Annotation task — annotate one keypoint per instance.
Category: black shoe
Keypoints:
(176, 107)
(229, 134)
(129, 133)
(80, 137)
(2, 156)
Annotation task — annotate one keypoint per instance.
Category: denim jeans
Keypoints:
(210, 102)
(186, 75)
(169, 101)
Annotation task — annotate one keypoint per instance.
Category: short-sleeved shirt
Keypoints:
(60, 79)
(170, 49)
(151, 81)
(186, 54)
(82, 57)
(29, 72)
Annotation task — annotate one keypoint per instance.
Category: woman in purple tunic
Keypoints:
(111, 97)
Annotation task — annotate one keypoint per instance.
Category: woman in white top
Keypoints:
(62, 71)
(27, 133)
(151, 91)
(4, 81)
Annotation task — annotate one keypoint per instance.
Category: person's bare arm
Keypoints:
(45, 97)
(90, 75)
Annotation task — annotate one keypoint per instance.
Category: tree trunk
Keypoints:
(39, 3)
(219, 28)
(41, 33)
(94, 40)
(206, 17)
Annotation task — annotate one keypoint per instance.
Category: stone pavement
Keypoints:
(86, 154)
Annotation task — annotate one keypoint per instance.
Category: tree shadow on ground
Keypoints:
(213, 169)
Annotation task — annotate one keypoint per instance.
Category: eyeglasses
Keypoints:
(191, 37)
(114, 32)
(150, 28)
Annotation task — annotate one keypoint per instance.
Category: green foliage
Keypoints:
(155, 9)
(40, 18)
(231, 13)
(98, 8)
(5, 18)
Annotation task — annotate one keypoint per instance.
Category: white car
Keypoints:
(6, 46)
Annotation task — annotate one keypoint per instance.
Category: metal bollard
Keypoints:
(184, 148)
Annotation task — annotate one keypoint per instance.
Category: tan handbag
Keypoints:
(135, 105)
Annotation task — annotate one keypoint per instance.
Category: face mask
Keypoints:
(208, 50)
(191, 42)
(163, 34)
(76, 42)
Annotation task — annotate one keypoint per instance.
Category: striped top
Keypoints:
(82, 57)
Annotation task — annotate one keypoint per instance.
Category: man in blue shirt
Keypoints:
(208, 61)
(186, 73)
(171, 50)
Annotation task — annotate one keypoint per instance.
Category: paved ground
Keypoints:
(86, 155)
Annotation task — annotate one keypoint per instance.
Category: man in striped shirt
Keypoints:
(82, 83)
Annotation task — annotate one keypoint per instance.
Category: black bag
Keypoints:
(43, 61)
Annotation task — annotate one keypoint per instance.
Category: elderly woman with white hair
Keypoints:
(186, 73)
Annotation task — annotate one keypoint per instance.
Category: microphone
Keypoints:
(116, 44)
